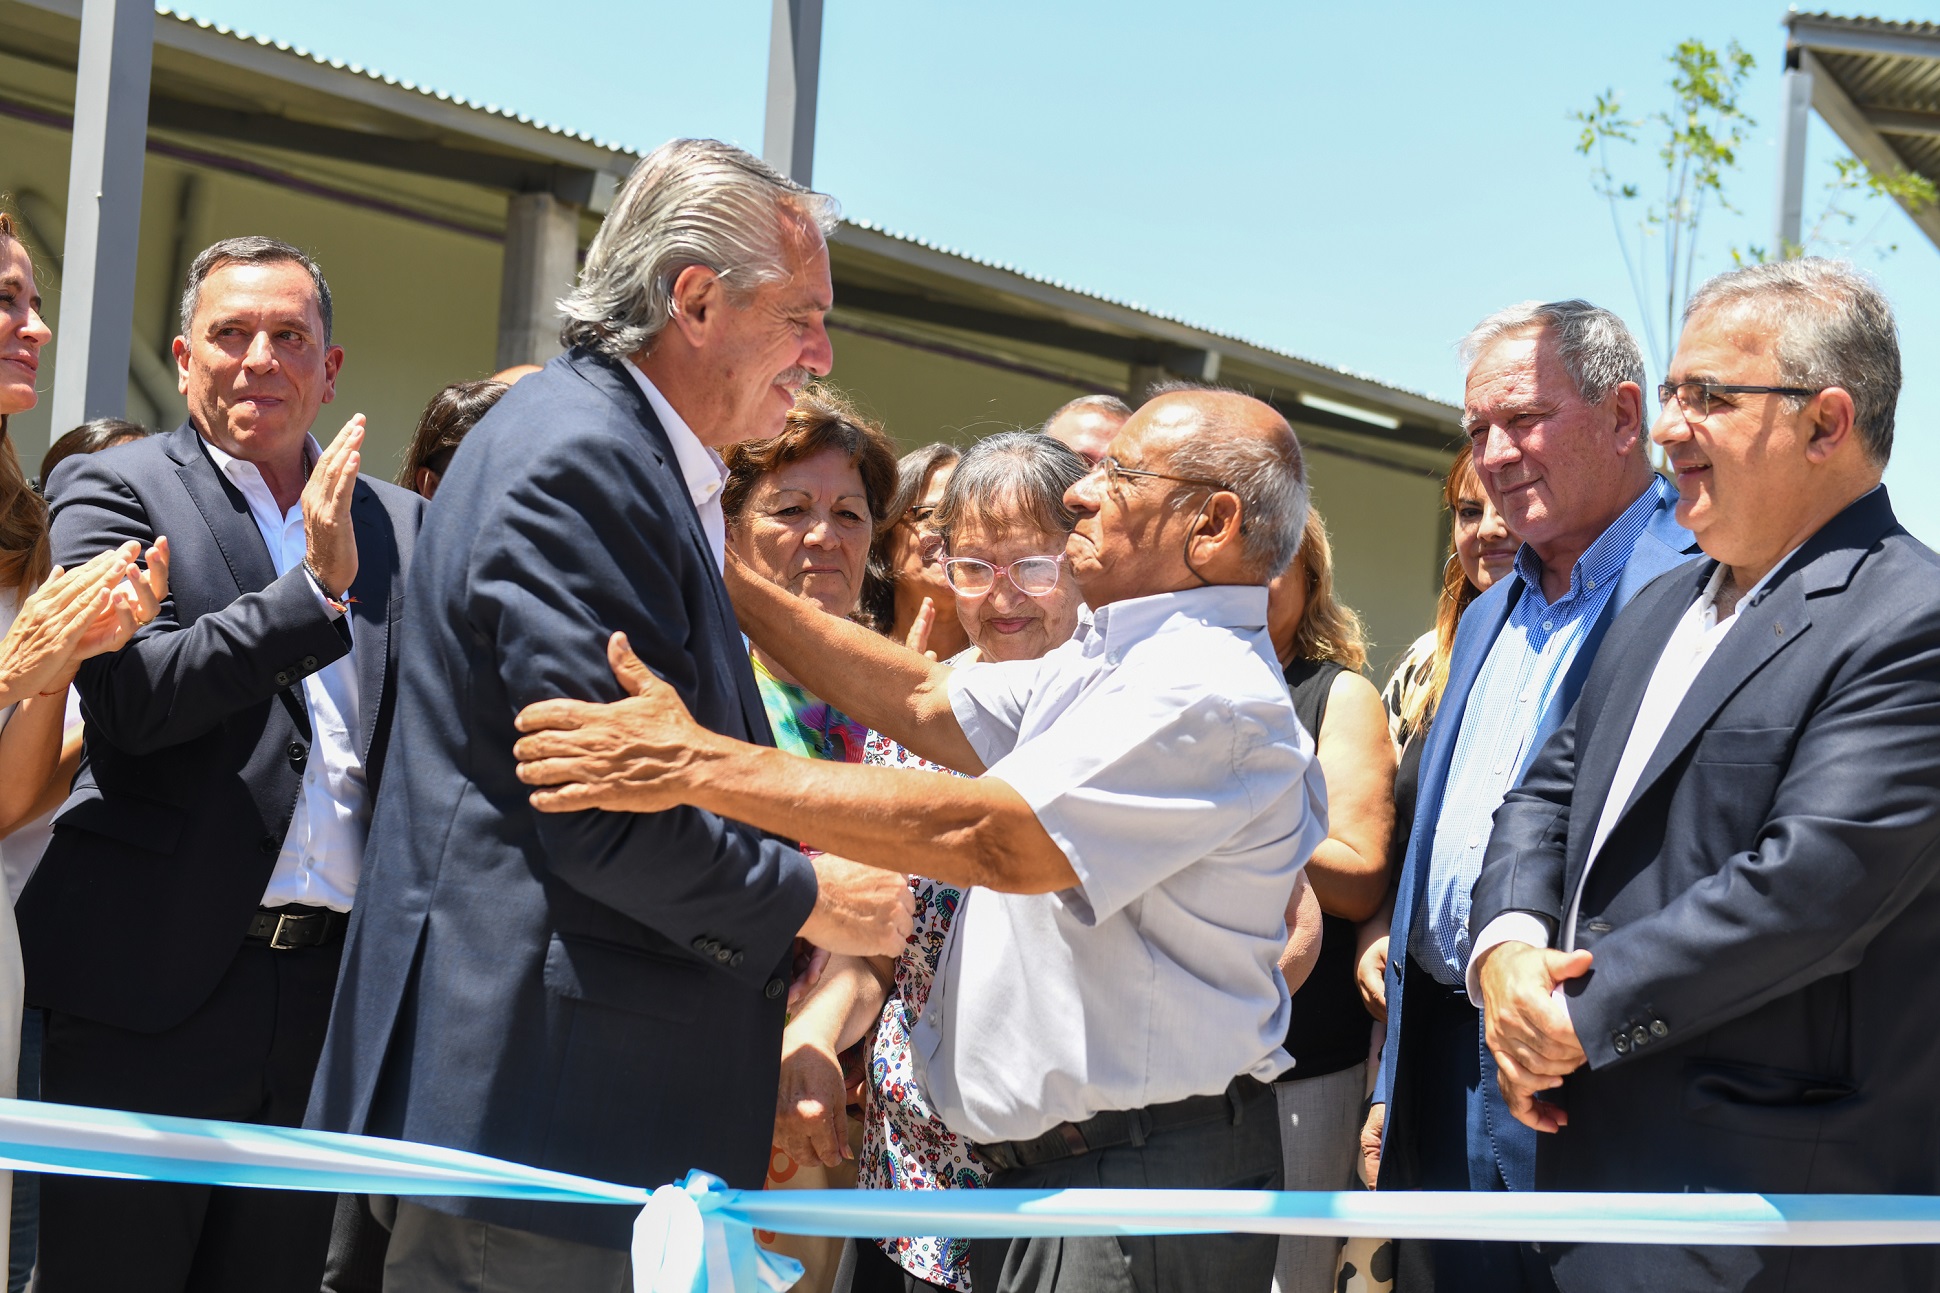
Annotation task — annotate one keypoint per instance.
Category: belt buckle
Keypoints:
(276, 941)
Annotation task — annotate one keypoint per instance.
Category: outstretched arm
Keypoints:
(901, 693)
(645, 754)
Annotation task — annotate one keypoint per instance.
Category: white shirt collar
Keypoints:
(1238, 606)
(245, 474)
(700, 466)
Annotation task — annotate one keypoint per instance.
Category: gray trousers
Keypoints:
(434, 1252)
(1320, 1132)
(1241, 1152)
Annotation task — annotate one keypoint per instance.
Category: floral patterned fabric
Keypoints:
(804, 725)
(905, 1146)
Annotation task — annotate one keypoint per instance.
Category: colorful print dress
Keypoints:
(905, 1146)
(804, 725)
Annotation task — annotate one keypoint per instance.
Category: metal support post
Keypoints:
(103, 213)
(541, 263)
(794, 75)
(1795, 112)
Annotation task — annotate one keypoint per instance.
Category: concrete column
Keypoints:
(103, 213)
(794, 76)
(541, 265)
(1795, 114)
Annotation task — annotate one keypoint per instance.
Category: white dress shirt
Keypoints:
(700, 467)
(1693, 642)
(1160, 751)
(323, 853)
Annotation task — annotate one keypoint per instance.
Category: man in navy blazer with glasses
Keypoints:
(1705, 928)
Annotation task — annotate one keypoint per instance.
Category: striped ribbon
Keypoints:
(698, 1236)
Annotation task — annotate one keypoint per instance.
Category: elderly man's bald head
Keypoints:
(1247, 447)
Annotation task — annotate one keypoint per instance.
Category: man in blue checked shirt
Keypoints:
(1554, 406)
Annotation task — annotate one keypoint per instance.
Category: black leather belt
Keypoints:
(288, 928)
(1119, 1127)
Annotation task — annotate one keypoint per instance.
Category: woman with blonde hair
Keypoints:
(1323, 649)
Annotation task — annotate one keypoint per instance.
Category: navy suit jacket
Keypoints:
(1764, 914)
(194, 752)
(1664, 544)
(595, 992)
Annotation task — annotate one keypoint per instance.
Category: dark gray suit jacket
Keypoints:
(194, 749)
(596, 992)
(1765, 914)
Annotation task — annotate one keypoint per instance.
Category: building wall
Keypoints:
(416, 306)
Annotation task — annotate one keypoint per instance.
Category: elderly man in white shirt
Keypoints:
(1111, 1006)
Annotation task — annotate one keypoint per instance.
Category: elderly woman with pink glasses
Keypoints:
(1003, 523)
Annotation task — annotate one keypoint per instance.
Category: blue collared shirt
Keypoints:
(1505, 709)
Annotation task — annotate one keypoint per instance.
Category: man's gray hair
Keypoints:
(252, 250)
(1596, 348)
(1831, 326)
(1269, 474)
(1110, 404)
(1009, 477)
(688, 202)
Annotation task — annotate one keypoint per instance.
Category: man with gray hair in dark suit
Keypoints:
(599, 993)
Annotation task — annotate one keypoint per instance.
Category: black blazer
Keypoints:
(191, 766)
(600, 993)
(1765, 914)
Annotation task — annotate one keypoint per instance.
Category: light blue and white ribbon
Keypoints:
(698, 1236)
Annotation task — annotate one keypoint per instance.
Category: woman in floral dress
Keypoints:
(1004, 526)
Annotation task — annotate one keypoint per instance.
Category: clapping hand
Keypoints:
(75, 614)
(330, 541)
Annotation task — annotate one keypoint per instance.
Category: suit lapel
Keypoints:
(372, 603)
(622, 389)
(224, 510)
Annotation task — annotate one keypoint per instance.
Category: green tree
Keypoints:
(1698, 138)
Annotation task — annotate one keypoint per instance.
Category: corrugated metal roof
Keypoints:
(1912, 28)
(359, 69)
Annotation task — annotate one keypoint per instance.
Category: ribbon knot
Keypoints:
(685, 1243)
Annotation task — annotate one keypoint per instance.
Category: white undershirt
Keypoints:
(700, 467)
(323, 853)
(1696, 638)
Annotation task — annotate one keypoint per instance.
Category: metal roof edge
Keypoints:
(1079, 305)
(280, 60)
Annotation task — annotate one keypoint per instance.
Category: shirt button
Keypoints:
(1547, 626)
(1475, 841)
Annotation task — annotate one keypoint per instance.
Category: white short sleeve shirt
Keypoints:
(1160, 750)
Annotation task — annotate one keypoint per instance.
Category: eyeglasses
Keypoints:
(1032, 576)
(1115, 471)
(1695, 397)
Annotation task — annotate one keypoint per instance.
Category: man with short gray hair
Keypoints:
(1110, 1008)
(1087, 424)
(1554, 410)
(597, 992)
(1707, 917)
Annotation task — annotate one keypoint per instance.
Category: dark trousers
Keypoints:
(1444, 1032)
(1236, 1152)
(26, 1185)
(247, 1054)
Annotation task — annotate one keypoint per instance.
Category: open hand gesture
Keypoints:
(613, 756)
(330, 543)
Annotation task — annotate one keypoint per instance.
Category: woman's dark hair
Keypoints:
(450, 416)
(90, 437)
(25, 556)
(821, 419)
(913, 471)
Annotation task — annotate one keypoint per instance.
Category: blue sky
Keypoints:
(1354, 183)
